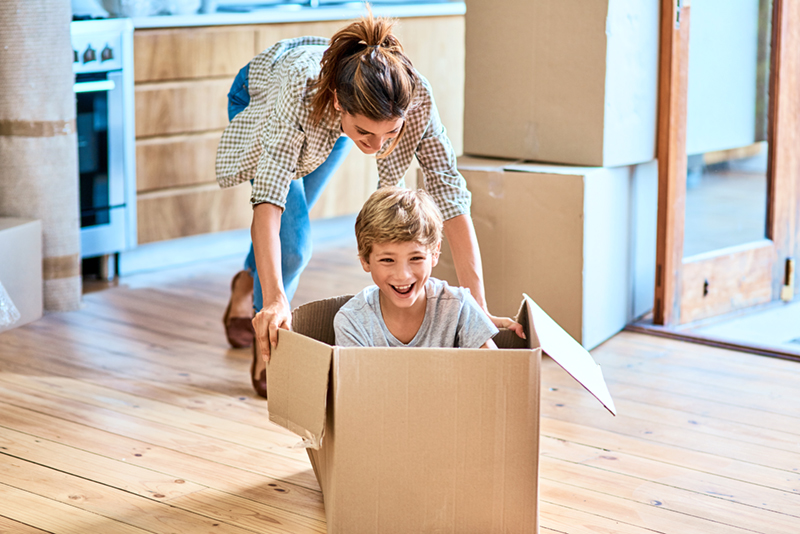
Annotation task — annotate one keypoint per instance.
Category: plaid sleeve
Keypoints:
(282, 140)
(437, 160)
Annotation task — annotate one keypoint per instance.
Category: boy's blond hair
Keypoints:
(397, 215)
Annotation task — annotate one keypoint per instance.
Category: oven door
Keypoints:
(101, 162)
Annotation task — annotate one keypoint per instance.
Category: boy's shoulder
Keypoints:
(441, 290)
(362, 302)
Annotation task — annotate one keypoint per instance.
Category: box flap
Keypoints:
(568, 353)
(297, 385)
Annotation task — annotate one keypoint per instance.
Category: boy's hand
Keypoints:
(507, 322)
(266, 323)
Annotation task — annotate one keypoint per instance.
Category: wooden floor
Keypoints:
(133, 416)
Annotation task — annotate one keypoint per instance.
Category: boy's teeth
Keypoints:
(403, 289)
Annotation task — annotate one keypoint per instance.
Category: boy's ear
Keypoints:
(364, 264)
(436, 252)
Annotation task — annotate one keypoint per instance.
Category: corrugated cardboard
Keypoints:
(563, 81)
(421, 440)
(580, 240)
(21, 266)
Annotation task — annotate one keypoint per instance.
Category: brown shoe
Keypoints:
(238, 330)
(260, 381)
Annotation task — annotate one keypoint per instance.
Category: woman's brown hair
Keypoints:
(370, 74)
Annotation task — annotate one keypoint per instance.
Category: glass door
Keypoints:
(727, 194)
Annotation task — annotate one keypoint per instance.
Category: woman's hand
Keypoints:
(275, 315)
(507, 322)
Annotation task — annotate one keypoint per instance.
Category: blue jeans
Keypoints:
(295, 234)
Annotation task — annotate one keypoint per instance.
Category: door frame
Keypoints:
(707, 285)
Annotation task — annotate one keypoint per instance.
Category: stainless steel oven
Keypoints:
(103, 67)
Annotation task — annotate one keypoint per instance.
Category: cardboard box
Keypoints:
(562, 81)
(581, 241)
(421, 440)
(21, 267)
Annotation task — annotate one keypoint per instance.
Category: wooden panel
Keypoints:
(708, 289)
(182, 160)
(269, 34)
(671, 154)
(434, 44)
(181, 107)
(198, 210)
(783, 216)
(180, 53)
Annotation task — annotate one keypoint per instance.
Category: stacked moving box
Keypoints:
(573, 85)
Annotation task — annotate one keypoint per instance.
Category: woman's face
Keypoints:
(368, 135)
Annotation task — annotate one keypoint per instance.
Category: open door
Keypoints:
(728, 156)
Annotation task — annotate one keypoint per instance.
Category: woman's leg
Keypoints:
(238, 96)
(295, 231)
(237, 318)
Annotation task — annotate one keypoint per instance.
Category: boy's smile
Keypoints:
(401, 271)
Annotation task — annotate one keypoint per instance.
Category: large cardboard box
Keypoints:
(581, 241)
(21, 266)
(562, 81)
(421, 440)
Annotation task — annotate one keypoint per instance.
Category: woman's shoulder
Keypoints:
(300, 56)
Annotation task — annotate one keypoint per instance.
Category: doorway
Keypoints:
(728, 168)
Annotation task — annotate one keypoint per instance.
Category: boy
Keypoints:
(399, 234)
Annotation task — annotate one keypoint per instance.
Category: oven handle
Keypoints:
(95, 86)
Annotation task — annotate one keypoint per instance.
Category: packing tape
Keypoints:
(36, 128)
(61, 267)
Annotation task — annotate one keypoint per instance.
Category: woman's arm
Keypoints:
(460, 234)
(275, 312)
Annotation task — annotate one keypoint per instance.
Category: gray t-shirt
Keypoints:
(452, 319)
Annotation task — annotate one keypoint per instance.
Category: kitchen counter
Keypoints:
(283, 14)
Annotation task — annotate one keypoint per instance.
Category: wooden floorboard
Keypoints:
(133, 415)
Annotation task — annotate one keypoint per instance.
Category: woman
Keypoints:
(308, 100)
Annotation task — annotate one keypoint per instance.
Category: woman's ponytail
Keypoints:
(366, 66)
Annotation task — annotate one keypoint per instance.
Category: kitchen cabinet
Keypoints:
(182, 77)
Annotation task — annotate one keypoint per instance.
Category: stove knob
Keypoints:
(107, 54)
(75, 58)
(89, 54)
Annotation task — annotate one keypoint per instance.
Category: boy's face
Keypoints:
(401, 270)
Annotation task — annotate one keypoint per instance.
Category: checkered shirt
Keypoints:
(274, 140)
